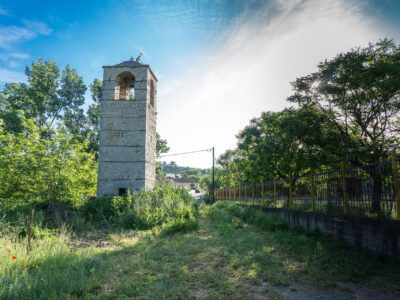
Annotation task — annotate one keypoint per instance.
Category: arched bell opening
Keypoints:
(125, 88)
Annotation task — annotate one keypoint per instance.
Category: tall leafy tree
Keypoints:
(47, 98)
(93, 116)
(359, 93)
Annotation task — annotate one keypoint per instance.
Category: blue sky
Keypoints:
(219, 63)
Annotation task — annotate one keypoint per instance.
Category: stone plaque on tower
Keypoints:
(127, 143)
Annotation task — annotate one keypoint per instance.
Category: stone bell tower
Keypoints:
(127, 146)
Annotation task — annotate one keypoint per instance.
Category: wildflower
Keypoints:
(25, 266)
(14, 257)
(9, 250)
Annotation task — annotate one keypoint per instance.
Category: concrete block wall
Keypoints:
(378, 236)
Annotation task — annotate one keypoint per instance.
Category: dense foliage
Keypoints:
(348, 110)
(144, 210)
(48, 144)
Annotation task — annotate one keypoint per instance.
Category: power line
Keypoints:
(184, 153)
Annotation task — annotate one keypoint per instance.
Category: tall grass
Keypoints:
(144, 210)
(323, 258)
(51, 270)
(54, 269)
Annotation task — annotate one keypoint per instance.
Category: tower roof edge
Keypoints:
(131, 64)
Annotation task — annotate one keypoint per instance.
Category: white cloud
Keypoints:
(9, 35)
(38, 27)
(11, 76)
(3, 12)
(13, 55)
(251, 70)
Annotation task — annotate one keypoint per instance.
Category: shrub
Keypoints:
(142, 210)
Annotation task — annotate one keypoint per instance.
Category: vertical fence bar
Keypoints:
(275, 191)
(312, 190)
(344, 186)
(252, 192)
(230, 194)
(245, 194)
(290, 193)
(239, 195)
(234, 194)
(396, 183)
(30, 231)
(262, 193)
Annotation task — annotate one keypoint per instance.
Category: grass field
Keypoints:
(235, 253)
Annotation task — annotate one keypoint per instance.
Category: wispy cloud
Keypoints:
(10, 35)
(3, 12)
(37, 27)
(250, 69)
(13, 55)
(11, 76)
(10, 38)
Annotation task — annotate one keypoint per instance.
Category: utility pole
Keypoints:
(213, 174)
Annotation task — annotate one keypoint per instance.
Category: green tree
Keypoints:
(161, 145)
(359, 92)
(46, 98)
(191, 173)
(266, 148)
(93, 116)
(39, 170)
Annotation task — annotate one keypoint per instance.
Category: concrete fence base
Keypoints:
(375, 235)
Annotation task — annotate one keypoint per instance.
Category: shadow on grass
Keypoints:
(225, 259)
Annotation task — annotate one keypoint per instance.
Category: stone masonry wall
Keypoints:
(127, 134)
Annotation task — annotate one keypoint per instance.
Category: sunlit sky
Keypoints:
(219, 63)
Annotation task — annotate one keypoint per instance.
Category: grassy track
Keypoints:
(236, 254)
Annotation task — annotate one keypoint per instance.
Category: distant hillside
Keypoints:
(172, 167)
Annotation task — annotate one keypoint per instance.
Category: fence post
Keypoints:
(290, 193)
(239, 195)
(252, 191)
(30, 230)
(344, 186)
(245, 194)
(396, 183)
(275, 191)
(312, 190)
(262, 193)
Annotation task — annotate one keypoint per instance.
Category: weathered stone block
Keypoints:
(125, 123)
(121, 154)
(122, 171)
(122, 138)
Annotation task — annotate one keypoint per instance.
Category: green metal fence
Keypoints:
(368, 190)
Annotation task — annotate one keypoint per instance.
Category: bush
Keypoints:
(142, 210)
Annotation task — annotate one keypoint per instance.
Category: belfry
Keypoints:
(127, 143)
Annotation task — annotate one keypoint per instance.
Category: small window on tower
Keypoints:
(122, 191)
